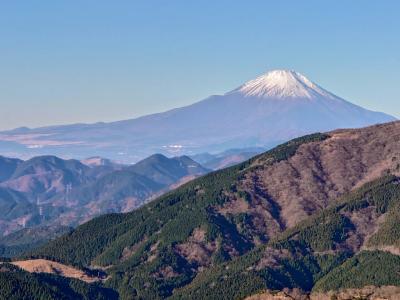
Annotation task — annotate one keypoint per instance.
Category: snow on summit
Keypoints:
(282, 84)
(263, 112)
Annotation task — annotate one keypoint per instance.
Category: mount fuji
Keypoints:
(263, 112)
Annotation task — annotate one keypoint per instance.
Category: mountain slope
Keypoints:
(128, 188)
(50, 191)
(7, 167)
(44, 176)
(18, 284)
(16, 243)
(280, 203)
(226, 158)
(325, 252)
(12, 203)
(167, 170)
(263, 112)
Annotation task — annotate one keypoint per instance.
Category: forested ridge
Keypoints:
(312, 256)
(206, 239)
(165, 222)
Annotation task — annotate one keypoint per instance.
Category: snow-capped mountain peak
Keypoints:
(282, 84)
(263, 112)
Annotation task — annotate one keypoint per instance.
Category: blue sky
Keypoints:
(87, 61)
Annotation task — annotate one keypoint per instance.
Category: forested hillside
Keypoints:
(16, 284)
(322, 253)
(16, 243)
(318, 205)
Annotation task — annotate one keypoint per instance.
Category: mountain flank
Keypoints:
(46, 266)
(50, 192)
(22, 240)
(307, 215)
(226, 158)
(16, 283)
